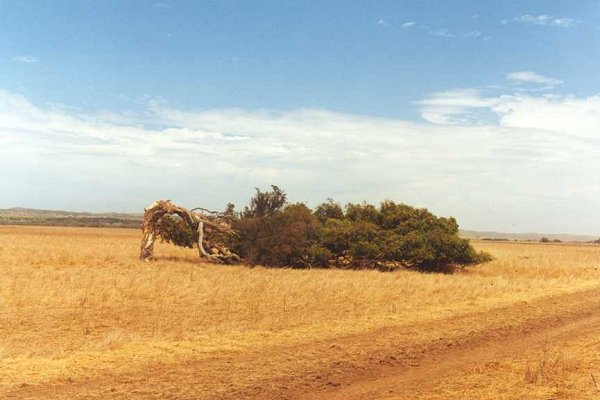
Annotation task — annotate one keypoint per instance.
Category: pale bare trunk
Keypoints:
(197, 221)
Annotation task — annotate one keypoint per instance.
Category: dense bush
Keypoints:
(266, 204)
(272, 232)
(358, 236)
(288, 237)
(397, 235)
(173, 229)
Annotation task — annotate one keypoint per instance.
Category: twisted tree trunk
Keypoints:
(197, 221)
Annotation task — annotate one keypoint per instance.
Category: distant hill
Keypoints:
(30, 216)
(532, 236)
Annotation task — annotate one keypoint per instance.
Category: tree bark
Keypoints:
(197, 221)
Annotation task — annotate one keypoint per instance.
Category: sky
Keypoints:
(485, 111)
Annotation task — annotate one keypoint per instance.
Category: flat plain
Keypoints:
(83, 318)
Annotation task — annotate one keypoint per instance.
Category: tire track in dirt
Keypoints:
(405, 381)
(386, 367)
(383, 363)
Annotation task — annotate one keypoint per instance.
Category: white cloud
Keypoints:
(532, 77)
(567, 115)
(383, 23)
(409, 24)
(561, 114)
(443, 32)
(454, 107)
(447, 33)
(535, 161)
(473, 34)
(26, 59)
(544, 20)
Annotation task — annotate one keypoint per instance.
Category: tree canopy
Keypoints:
(272, 232)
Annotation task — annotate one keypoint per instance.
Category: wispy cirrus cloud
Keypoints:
(532, 77)
(454, 107)
(448, 33)
(472, 34)
(437, 31)
(161, 5)
(384, 23)
(443, 32)
(542, 20)
(26, 59)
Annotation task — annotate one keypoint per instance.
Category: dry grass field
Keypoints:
(81, 317)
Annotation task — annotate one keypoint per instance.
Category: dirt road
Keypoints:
(396, 362)
(404, 381)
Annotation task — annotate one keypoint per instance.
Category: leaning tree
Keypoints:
(208, 227)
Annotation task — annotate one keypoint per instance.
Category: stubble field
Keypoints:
(81, 317)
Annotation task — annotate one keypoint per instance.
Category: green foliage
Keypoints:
(329, 210)
(362, 213)
(285, 238)
(546, 240)
(398, 235)
(176, 231)
(272, 232)
(266, 204)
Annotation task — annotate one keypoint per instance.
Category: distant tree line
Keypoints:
(270, 231)
(104, 222)
(546, 240)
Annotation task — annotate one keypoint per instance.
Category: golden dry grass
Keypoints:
(76, 302)
(568, 369)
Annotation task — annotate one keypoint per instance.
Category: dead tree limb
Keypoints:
(197, 221)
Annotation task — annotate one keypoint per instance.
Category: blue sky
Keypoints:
(487, 111)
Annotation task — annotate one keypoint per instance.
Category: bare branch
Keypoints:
(200, 223)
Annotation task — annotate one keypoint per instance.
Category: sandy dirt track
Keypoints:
(403, 381)
(399, 362)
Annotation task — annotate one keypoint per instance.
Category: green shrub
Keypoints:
(265, 204)
(272, 232)
(329, 210)
(284, 238)
(173, 229)
(397, 235)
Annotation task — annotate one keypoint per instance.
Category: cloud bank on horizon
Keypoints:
(510, 147)
(537, 153)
